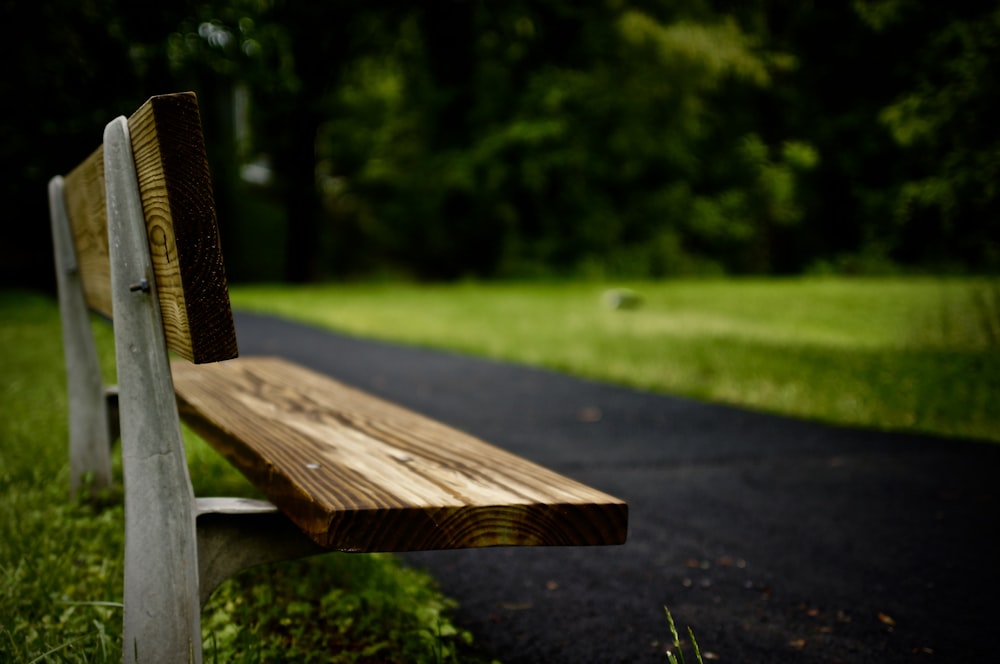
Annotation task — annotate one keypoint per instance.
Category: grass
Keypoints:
(893, 354)
(676, 655)
(61, 558)
(917, 355)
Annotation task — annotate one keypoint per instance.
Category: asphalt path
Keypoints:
(775, 540)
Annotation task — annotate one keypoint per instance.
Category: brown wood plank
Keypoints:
(83, 189)
(361, 474)
(176, 191)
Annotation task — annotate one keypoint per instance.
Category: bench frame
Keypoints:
(178, 548)
(176, 551)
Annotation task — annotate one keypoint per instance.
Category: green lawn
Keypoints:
(910, 354)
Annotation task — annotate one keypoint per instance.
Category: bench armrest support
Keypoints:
(235, 534)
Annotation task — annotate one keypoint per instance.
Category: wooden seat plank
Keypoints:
(361, 474)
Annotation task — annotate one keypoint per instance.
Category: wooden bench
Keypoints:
(136, 240)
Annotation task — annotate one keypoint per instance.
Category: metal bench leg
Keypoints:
(89, 435)
(162, 621)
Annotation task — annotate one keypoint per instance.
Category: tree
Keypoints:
(70, 68)
(943, 117)
(545, 136)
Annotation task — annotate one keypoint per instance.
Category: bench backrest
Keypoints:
(179, 210)
(136, 239)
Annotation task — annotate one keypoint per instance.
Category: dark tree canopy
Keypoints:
(463, 138)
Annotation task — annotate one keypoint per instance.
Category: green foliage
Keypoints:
(370, 608)
(941, 119)
(531, 157)
(624, 138)
(705, 53)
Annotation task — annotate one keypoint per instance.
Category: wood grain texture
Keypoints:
(177, 200)
(360, 474)
(84, 191)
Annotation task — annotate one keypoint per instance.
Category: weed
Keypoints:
(676, 656)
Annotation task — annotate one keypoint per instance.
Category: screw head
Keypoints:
(141, 285)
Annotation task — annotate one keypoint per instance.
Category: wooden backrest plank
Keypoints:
(176, 192)
(83, 189)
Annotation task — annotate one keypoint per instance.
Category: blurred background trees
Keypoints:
(461, 138)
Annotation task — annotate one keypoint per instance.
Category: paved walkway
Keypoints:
(776, 540)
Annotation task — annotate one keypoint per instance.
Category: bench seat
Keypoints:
(357, 473)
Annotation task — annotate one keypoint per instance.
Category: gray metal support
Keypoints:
(89, 435)
(237, 533)
(162, 621)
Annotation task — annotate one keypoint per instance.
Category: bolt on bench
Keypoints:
(136, 240)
